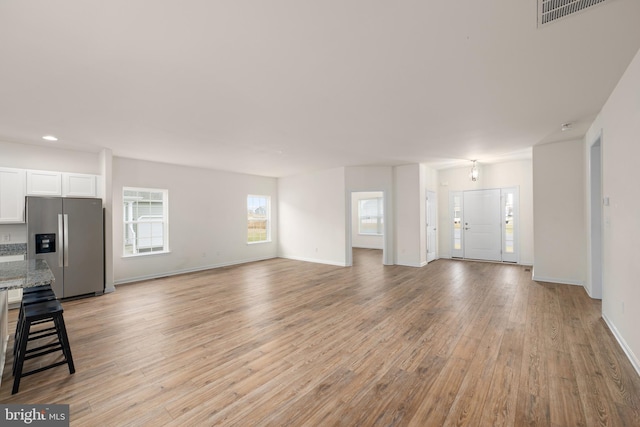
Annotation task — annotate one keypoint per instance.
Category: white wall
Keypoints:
(312, 219)
(409, 216)
(207, 218)
(619, 123)
(430, 178)
(375, 178)
(559, 213)
(517, 173)
(367, 241)
(24, 156)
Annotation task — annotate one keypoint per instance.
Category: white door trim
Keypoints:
(458, 234)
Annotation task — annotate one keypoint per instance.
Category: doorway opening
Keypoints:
(595, 186)
(431, 214)
(367, 226)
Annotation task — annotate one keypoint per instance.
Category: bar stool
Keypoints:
(32, 297)
(45, 293)
(47, 311)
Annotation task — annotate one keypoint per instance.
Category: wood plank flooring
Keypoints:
(288, 343)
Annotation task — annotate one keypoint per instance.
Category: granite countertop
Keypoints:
(25, 274)
(13, 249)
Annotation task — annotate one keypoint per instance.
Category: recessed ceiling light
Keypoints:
(50, 138)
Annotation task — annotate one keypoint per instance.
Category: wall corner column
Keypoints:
(106, 173)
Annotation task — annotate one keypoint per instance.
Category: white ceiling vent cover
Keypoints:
(552, 10)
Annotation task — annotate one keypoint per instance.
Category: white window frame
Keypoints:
(379, 216)
(127, 224)
(267, 214)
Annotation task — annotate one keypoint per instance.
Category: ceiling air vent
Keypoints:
(552, 10)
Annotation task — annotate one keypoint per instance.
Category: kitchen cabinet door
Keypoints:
(12, 192)
(79, 185)
(44, 183)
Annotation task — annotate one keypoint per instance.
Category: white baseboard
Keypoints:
(521, 262)
(184, 271)
(561, 281)
(630, 355)
(314, 260)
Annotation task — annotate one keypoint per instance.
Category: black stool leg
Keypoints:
(19, 358)
(64, 340)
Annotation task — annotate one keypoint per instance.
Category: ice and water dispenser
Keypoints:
(45, 243)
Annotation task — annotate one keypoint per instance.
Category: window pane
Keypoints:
(258, 213)
(457, 222)
(145, 221)
(371, 216)
(508, 228)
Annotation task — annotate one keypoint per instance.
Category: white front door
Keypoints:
(431, 208)
(482, 225)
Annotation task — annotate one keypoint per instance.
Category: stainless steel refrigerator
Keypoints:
(68, 234)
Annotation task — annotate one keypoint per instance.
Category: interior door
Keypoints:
(482, 225)
(432, 208)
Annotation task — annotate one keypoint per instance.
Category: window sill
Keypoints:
(258, 243)
(370, 234)
(145, 254)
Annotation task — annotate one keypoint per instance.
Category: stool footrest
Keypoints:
(54, 346)
(44, 368)
(42, 334)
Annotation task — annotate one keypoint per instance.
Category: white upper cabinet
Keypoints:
(44, 183)
(79, 185)
(47, 183)
(12, 192)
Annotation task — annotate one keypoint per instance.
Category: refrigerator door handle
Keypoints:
(58, 248)
(66, 240)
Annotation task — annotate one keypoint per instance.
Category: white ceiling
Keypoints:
(279, 87)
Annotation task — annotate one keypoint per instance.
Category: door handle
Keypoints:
(66, 240)
(60, 234)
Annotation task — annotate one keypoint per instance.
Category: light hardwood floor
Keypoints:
(283, 342)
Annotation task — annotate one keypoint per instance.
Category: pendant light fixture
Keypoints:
(473, 173)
